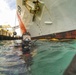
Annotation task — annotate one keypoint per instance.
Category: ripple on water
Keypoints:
(52, 58)
(10, 62)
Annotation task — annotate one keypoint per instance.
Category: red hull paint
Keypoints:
(22, 27)
(63, 35)
(66, 35)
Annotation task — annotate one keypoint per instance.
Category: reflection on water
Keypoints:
(52, 57)
(10, 62)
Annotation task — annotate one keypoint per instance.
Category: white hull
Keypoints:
(55, 16)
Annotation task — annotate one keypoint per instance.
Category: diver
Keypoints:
(26, 48)
(26, 43)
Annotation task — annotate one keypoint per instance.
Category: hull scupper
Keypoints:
(55, 19)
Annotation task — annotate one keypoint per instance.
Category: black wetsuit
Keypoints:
(26, 46)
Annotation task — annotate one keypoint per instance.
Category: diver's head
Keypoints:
(26, 36)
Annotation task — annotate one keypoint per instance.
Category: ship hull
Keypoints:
(64, 35)
(55, 19)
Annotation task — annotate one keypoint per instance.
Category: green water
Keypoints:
(53, 58)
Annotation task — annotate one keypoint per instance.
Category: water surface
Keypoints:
(52, 57)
